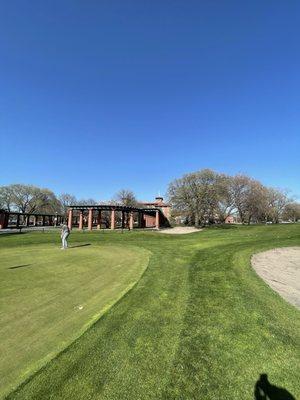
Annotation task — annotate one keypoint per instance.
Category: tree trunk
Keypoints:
(196, 220)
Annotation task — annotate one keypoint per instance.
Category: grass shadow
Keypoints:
(20, 266)
(80, 245)
(12, 233)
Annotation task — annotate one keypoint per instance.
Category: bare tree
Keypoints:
(66, 201)
(277, 201)
(183, 196)
(256, 202)
(47, 202)
(25, 197)
(291, 212)
(6, 198)
(226, 205)
(199, 195)
(29, 199)
(240, 192)
(208, 197)
(87, 202)
(126, 197)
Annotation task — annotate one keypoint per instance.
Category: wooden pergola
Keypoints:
(130, 217)
(13, 219)
(112, 216)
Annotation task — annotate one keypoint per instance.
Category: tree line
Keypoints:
(199, 198)
(33, 200)
(208, 197)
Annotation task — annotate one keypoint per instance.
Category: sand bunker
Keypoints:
(180, 230)
(280, 268)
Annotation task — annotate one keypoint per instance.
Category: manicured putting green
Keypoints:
(50, 296)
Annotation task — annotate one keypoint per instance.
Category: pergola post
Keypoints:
(70, 218)
(18, 220)
(27, 220)
(35, 220)
(131, 220)
(99, 220)
(157, 219)
(2, 217)
(112, 219)
(3, 220)
(90, 219)
(123, 219)
(140, 219)
(80, 219)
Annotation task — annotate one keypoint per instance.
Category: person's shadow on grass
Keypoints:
(80, 245)
(264, 390)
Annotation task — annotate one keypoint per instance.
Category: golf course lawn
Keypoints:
(49, 297)
(199, 323)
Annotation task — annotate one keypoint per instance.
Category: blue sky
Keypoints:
(101, 95)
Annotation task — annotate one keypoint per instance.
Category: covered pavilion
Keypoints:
(14, 219)
(115, 216)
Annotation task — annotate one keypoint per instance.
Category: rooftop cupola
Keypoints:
(159, 199)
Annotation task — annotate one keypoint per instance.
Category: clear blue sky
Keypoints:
(101, 95)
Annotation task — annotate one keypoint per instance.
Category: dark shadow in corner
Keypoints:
(264, 390)
(80, 245)
(19, 266)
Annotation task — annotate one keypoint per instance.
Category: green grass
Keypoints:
(49, 297)
(199, 324)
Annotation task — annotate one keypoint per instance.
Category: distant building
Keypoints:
(165, 208)
(230, 220)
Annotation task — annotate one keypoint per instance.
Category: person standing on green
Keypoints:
(65, 232)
